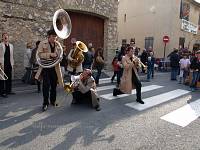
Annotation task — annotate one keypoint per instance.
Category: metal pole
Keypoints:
(164, 51)
(164, 57)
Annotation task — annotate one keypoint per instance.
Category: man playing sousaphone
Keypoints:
(48, 50)
(85, 89)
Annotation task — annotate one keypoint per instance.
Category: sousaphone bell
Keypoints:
(62, 26)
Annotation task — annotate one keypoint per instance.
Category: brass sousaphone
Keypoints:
(62, 26)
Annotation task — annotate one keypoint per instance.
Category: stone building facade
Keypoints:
(29, 20)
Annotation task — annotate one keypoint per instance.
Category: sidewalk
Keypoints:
(20, 87)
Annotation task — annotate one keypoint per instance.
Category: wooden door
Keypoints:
(86, 28)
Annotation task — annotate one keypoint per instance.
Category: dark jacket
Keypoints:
(151, 62)
(144, 57)
(88, 58)
(33, 56)
(174, 60)
(195, 64)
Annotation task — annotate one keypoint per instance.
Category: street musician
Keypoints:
(130, 79)
(85, 90)
(48, 49)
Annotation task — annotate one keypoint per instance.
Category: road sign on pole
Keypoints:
(165, 40)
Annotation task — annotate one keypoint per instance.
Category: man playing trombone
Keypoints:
(130, 79)
(85, 89)
(6, 64)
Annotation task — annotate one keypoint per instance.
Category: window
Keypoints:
(124, 17)
(182, 42)
(124, 41)
(148, 42)
(184, 10)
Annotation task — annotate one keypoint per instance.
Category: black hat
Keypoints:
(51, 32)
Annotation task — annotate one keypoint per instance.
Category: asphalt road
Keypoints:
(122, 124)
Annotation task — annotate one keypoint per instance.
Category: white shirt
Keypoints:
(184, 63)
(27, 57)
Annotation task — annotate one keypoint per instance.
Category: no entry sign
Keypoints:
(165, 39)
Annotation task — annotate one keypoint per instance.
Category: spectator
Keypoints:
(98, 63)
(35, 65)
(184, 68)
(27, 63)
(88, 57)
(144, 59)
(174, 64)
(195, 68)
(150, 66)
(116, 67)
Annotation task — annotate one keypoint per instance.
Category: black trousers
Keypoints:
(82, 97)
(137, 84)
(6, 86)
(49, 85)
(1, 87)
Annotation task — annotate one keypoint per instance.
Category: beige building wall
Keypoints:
(155, 18)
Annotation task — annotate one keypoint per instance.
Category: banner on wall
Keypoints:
(189, 26)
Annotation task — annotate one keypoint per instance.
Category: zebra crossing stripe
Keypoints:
(103, 88)
(144, 89)
(104, 80)
(158, 99)
(184, 115)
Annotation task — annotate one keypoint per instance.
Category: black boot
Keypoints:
(140, 101)
(115, 92)
(44, 107)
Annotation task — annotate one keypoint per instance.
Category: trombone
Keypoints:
(75, 81)
(3, 76)
(139, 61)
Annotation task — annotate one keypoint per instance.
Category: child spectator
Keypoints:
(116, 66)
(184, 68)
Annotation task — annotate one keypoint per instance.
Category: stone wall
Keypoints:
(28, 20)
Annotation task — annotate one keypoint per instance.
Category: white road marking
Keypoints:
(144, 89)
(184, 115)
(103, 88)
(158, 99)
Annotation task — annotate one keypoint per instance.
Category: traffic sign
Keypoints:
(165, 39)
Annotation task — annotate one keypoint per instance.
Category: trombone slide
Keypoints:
(143, 65)
(3, 76)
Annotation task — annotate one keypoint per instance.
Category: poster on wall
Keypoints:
(184, 10)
